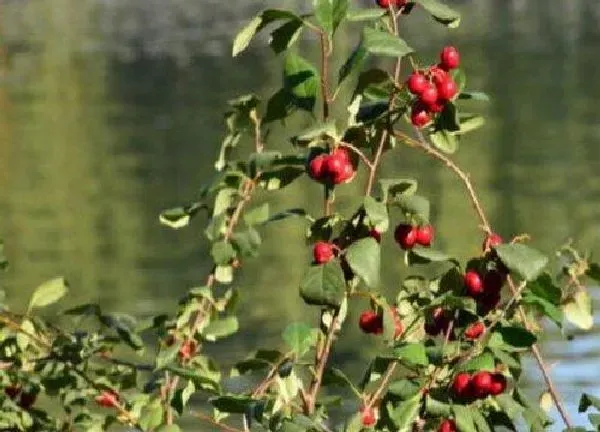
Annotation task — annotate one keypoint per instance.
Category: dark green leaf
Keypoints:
(324, 285)
(587, 401)
(415, 205)
(285, 36)
(222, 252)
(404, 389)
(506, 358)
(379, 42)
(300, 337)
(425, 255)
(464, 418)
(412, 352)
(544, 306)
(200, 377)
(232, 404)
(47, 293)
(279, 178)
(245, 35)
(441, 13)
(364, 258)
(301, 80)
(354, 63)
(522, 259)
(593, 272)
(437, 408)
(247, 242)
(511, 338)
(476, 96)
(221, 328)
(405, 413)
(393, 188)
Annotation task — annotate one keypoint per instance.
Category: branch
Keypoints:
(209, 419)
(464, 177)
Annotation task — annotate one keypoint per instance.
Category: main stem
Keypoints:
(464, 177)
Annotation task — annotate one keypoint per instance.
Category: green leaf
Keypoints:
(48, 293)
(469, 123)
(512, 338)
(475, 96)
(413, 352)
(587, 401)
(445, 141)
(151, 415)
(405, 413)
(372, 14)
(247, 242)
(480, 421)
(464, 418)
(324, 14)
(544, 306)
(324, 285)
(416, 206)
(393, 188)
(379, 42)
(222, 253)
(354, 62)
(221, 328)
(169, 428)
(175, 218)
(201, 378)
(317, 132)
(423, 254)
(441, 13)
(279, 178)
(285, 36)
(593, 271)
(340, 10)
(232, 404)
(257, 215)
(578, 310)
(364, 258)
(509, 406)
(224, 274)
(167, 355)
(245, 35)
(377, 213)
(506, 358)
(545, 288)
(301, 79)
(404, 388)
(437, 408)
(300, 337)
(483, 362)
(522, 259)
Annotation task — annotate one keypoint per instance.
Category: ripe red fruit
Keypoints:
(491, 241)
(425, 235)
(429, 95)
(473, 283)
(316, 167)
(417, 83)
(498, 384)
(323, 252)
(345, 175)
(473, 331)
(406, 236)
(447, 426)
(386, 3)
(437, 107)
(107, 399)
(449, 58)
(419, 116)
(333, 165)
(27, 400)
(368, 418)
(370, 323)
(461, 385)
(438, 74)
(447, 89)
(187, 350)
(342, 153)
(375, 234)
(481, 383)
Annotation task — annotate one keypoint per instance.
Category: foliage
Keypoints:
(451, 347)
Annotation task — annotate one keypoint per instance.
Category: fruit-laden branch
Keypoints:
(431, 151)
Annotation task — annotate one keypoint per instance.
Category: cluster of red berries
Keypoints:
(478, 386)
(407, 236)
(474, 330)
(334, 168)
(25, 399)
(368, 416)
(433, 87)
(384, 4)
(371, 322)
(485, 288)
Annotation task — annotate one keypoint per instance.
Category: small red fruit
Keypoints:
(475, 330)
(437, 107)
(438, 74)
(384, 4)
(498, 384)
(12, 391)
(447, 89)
(333, 165)
(417, 83)
(342, 153)
(375, 234)
(316, 167)
(27, 400)
(107, 399)
(429, 95)
(368, 417)
(491, 241)
(461, 385)
(447, 426)
(370, 323)
(425, 235)
(187, 350)
(473, 283)
(345, 175)
(449, 58)
(406, 236)
(323, 252)
(481, 384)
(419, 116)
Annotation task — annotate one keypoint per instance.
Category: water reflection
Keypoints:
(111, 111)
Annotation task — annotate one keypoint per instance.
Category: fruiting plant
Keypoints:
(451, 338)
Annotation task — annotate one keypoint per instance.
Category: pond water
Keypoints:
(111, 111)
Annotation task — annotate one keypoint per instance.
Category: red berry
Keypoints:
(447, 426)
(473, 331)
(498, 384)
(333, 166)
(449, 58)
(429, 95)
(491, 241)
(323, 252)
(481, 384)
(27, 400)
(447, 89)
(461, 385)
(187, 350)
(438, 74)
(417, 83)
(406, 236)
(437, 107)
(107, 399)
(345, 175)
(368, 417)
(316, 167)
(425, 235)
(12, 391)
(419, 116)
(396, 3)
(375, 234)
(342, 153)
(370, 322)
(473, 283)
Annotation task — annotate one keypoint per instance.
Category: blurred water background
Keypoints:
(110, 110)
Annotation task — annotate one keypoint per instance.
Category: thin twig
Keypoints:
(213, 422)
